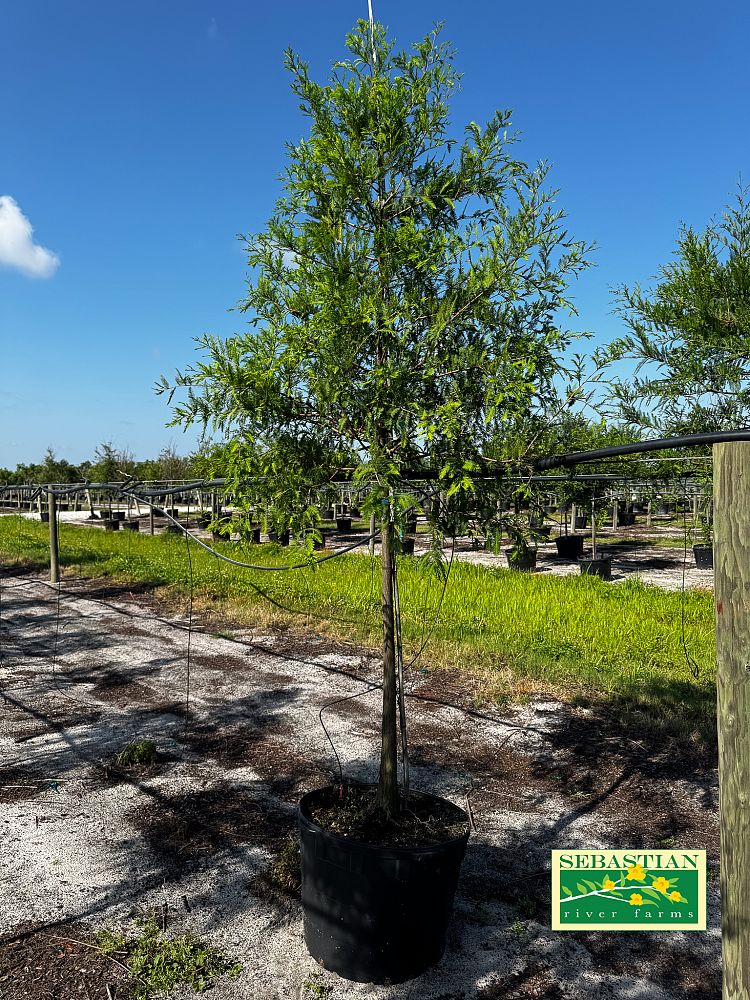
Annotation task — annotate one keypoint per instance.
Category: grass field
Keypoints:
(576, 637)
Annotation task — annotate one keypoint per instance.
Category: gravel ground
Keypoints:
(85, 845)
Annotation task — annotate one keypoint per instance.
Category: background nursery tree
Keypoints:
(403, 304)
(690, 336)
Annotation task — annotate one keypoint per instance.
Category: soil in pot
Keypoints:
(524, 559)
(601, 566)
(569, 546)
(377, 897)
(704, 556)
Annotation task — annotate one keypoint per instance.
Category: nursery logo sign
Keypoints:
(629, 890)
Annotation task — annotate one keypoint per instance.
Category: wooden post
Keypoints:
(573, 515)
(732, 582)
(151, 518)
(648, 514)
(54, 551)
(615, 512)
(372, 532)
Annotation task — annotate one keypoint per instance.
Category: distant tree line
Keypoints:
(111, 464)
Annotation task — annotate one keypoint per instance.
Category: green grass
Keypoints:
(158, 964)
(142, 752)
(512, 633)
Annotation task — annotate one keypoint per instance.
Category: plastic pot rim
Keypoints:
(383, 851)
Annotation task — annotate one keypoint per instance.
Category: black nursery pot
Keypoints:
(343, 524)
(255, 536)
(44, 515)
(110, 524)
(704, 556)
(407, 546)
(601, 566)
(375, 914)
(521, 560)
(132, 525)
(281, 537)
(580, 523)
(569, 546)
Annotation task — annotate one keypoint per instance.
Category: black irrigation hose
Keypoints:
(657, 444)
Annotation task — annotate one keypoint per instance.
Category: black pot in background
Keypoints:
(375, 914)
(704, 556)
(118, 515)
(343, 524)
(407, 546)
(569, 546)
(131, 525)
(626, 520)
(281, 537)
(580, 523)
(601, 566)
(318, 545)
(254, 537)
(44, 515)
(110, 524)
(520, 559)
(173, 529)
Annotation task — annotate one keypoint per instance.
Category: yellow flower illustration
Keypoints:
(675, 897)
(660, 883)
(608, 884)
(636, 872)
(636, 899)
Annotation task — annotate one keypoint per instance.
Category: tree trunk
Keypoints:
(387, 796)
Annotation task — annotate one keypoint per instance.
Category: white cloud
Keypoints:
(17, 246)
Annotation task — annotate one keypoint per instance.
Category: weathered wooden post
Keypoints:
(371, 546)
(151, 518)
(54, 552)
(732, 596)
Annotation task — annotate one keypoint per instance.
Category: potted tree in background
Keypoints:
(403, 307)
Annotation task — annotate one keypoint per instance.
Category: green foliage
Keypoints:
(404, 297)
(159, 964)
(689, 335)
(141, 752)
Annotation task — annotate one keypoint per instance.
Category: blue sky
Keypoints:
(138, 139)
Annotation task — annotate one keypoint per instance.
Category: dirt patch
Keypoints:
(19, 783)
(39, 963)
(528, 985)
(183, 829)
(682, 975)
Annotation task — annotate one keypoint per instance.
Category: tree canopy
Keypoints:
(690, 335)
